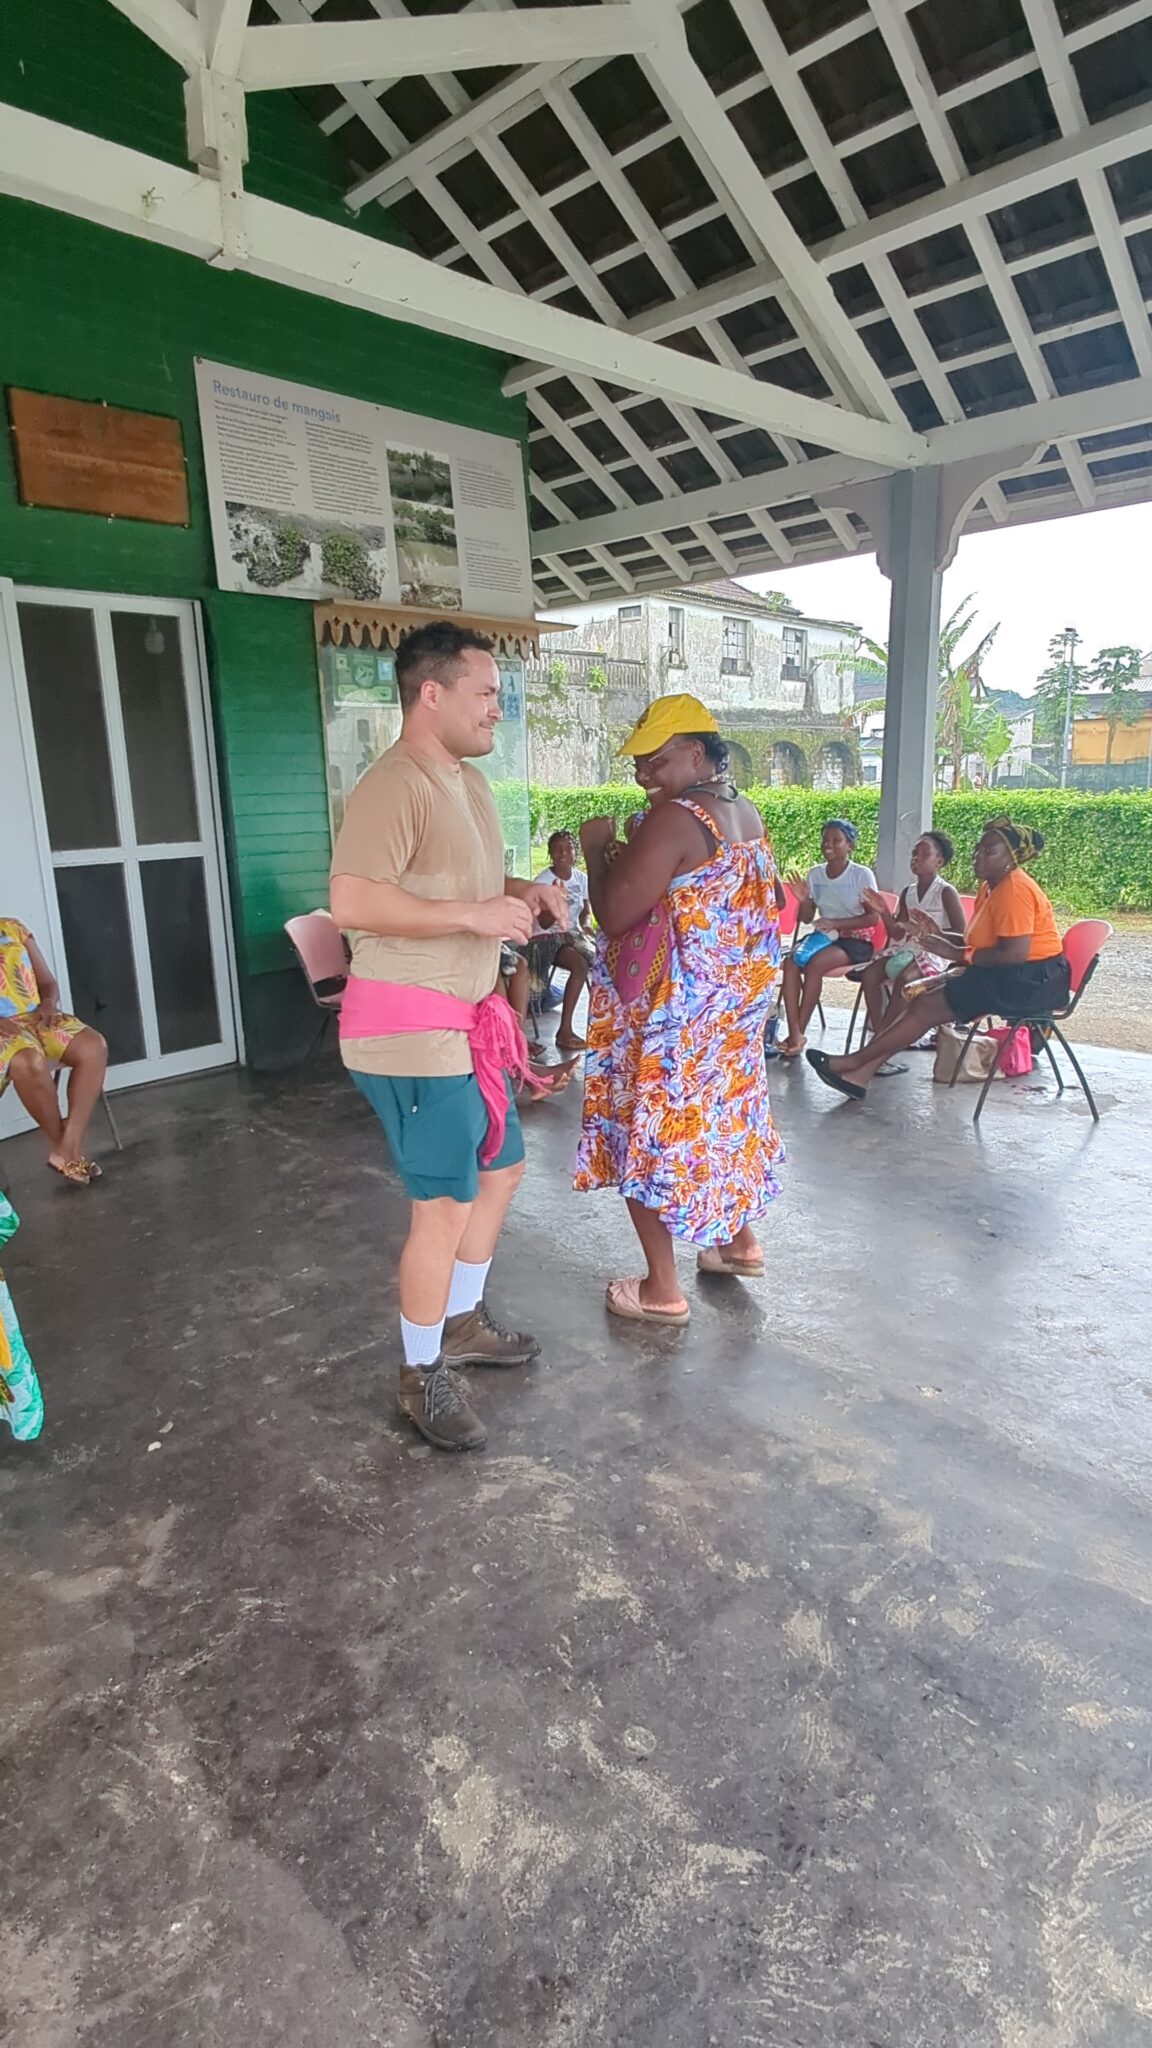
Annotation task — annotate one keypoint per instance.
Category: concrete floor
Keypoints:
(783, 1681)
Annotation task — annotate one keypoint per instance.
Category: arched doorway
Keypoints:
(786, 766)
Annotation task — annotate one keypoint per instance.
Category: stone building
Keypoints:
(778, 681)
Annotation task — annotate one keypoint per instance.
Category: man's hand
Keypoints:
(501, 917)
(547, 902)
(595, 835)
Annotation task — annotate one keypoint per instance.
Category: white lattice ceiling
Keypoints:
(972, 178)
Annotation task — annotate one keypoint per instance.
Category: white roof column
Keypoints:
(913, 561)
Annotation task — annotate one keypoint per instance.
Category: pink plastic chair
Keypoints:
(879, 939)
(1083, 945)
(319, 947)
(789, 916)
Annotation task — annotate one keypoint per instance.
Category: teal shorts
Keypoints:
(435, 1128)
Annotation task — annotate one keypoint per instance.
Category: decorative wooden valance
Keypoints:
(383, 625)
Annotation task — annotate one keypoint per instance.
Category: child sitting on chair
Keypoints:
(833, 898)
(906, 957)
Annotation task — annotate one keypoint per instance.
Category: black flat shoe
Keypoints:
(818, 1061)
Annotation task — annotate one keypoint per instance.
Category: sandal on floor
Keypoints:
(622, 1298)
(714, 1260)
(77, 1172)
(889, 1068)
(818, 1061)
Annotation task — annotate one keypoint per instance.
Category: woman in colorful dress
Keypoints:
(36, 1037)
(21, 1405)
(676, 1101)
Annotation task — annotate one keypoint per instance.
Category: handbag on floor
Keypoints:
(973, 1064)
(1017, 1042)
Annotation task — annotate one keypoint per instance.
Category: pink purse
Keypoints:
(638, 959)
(1017, 1042)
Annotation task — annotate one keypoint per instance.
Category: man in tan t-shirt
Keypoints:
(418, 882)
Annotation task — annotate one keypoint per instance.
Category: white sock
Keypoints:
(421, 1341)
(467, 1287)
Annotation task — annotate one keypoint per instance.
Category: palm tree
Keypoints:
(963, 712)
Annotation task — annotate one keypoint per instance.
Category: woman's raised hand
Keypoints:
(595, 835)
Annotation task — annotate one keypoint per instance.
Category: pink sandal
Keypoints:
(716, 1260)
(622, 1298)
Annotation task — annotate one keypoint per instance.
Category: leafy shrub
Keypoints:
(1098, 855)
(344, 563)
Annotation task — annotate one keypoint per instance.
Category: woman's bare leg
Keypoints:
(793, 995)
(661, 1286)
(874, 982)
(745, 1244)
(87, 1062)
(814, 973)
(31, 1077)
(519, 995)
(570, 958)
(918, 1017)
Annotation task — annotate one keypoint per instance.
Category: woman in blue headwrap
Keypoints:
(832, 899)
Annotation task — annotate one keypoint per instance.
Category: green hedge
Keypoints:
(1098, 855)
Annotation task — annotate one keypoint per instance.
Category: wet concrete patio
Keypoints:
(782, 1681)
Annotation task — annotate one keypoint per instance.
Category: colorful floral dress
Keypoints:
(676, 1108)
(21, 1406)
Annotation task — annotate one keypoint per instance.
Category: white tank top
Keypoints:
(931, 903)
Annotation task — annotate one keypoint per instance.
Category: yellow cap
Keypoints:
(664, 720)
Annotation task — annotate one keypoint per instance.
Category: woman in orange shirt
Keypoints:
(1014, 964)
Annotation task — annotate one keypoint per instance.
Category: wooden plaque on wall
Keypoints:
(77, 457)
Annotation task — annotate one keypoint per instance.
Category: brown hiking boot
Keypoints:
(433, 1399)
(474, 1339)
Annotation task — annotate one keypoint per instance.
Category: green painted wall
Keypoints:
(91, 314)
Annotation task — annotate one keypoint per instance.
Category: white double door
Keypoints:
(110, 845)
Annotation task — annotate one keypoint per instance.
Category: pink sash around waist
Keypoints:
(388, 1009)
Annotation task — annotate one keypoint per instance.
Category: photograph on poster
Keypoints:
(424, 522)
(300, 555)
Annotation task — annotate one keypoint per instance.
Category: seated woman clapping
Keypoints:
(1013, 959)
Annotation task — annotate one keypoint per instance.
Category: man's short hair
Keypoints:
(434, 651)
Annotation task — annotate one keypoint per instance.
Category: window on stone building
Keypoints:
(734, 656)
(675, 636)
(795, 653)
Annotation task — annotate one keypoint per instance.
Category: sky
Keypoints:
(1090, 572)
